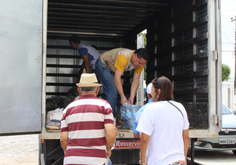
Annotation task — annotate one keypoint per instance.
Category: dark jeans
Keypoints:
(106, 78)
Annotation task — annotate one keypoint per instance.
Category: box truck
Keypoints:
(38, 66)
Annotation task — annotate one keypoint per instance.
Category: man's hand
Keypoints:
(123, 100)
(131, 100)
(108, 152)
(116, 131)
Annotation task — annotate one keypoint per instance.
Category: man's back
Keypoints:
(92, 53)
(84, 121)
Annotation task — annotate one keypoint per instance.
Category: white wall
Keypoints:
(228, 11)
(228, 97)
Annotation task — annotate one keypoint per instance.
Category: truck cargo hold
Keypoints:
(183, 40)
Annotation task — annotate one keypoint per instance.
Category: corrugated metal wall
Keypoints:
(178, 46)
(177, 38)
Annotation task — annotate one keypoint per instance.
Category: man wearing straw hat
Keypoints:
(87, 126)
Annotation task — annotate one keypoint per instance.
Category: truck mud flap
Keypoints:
(125, 156)
(193, 163)
(53, 153)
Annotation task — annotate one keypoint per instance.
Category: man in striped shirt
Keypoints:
(87, 126)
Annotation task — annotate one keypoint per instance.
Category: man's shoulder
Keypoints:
(83, 50)
(125, 51)
(90, 96)
(117, 51)
(102, 100)
(98, 101)
(81, 45)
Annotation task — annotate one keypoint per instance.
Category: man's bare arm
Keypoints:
(110, 136)
(64, 141)
(87, 63)
(134, 87)
(119, 87)
(80, 72)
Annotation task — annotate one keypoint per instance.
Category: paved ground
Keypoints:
(23, 150)
(19, 150)
(215, 157)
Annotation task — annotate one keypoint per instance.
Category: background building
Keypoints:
(228, 11)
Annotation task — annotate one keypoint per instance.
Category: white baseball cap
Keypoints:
(149, 87)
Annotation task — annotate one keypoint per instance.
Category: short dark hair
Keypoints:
(74, 38)
(88, 89)
(142, 53)
(165, 85)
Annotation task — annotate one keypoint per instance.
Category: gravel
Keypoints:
(19, 150)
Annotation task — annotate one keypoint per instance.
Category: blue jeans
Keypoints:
(106, 78)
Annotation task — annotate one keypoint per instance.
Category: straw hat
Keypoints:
(88, 80)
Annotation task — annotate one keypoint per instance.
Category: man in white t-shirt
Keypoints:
(89, 55)
(87, 52)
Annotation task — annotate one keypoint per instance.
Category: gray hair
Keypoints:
(88, 89)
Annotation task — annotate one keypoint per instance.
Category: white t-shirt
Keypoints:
(164, 124)
(92, 53)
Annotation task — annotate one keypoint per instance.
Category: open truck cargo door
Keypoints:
(185, 46)
(21, 66)
(183, 40)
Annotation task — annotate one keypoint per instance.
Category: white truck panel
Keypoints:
(21, 66)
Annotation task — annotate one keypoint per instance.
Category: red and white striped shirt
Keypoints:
(84, 121)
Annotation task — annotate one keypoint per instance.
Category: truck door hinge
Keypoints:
(121, 134)
(215, 55)
(215, 120)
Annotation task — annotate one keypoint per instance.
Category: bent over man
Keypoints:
(110, 67)
(87, 52)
